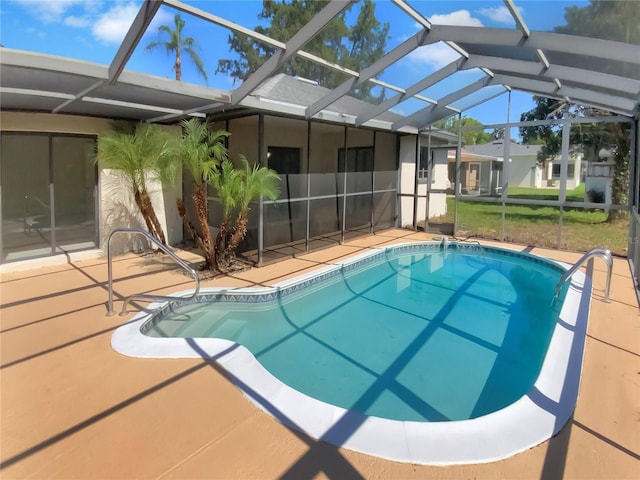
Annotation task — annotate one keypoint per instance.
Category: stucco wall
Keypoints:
(521, 171)
(118, 208)
(407, 170)
(438, 198)
(244, 138)
(406, 182)
(286, 132)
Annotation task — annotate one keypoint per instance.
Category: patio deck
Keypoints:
(73, 408)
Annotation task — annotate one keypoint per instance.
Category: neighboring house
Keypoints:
(336, 177)
(574, 170)
(479, 174)
(522, 169)
(482, 168)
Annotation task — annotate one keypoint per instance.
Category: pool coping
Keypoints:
(529, 421)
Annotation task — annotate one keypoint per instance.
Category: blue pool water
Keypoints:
(413, 334)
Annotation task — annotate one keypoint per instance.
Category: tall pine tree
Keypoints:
(354, 47)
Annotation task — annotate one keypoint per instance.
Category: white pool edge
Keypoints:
(531, 420)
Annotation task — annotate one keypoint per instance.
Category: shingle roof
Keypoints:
(284, 88)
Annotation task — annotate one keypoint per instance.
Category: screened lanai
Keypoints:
(395, 121)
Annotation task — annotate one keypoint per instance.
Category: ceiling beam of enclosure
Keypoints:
(558, 42)
(579, 95)
(398, 53)
(139, 26)
(542, 63)
(370, 72)
(515, 13)
(526, 69)
(393, 56)
(564, 81)
(414, 89)
(306, 33)
(421, 118)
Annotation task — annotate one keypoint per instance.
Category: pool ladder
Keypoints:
(601, 252)
(143, 296)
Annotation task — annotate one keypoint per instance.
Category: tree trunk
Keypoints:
(620, 182)
(158, 232)
(220, 238)
(186, 221)
(178, 64)
(200, 199)
(141, 206)
(239, 231)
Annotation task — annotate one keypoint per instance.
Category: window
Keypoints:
(284, 160)
(359, 159)
(425, 166)
(570, 170)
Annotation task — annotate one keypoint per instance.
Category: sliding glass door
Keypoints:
(48, 195)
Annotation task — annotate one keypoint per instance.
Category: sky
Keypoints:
(91, 30)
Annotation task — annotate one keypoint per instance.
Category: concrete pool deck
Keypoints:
(71, 407)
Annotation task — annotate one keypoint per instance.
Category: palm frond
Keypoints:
(258, 181)
(227, 183)
(202, 150)
(197, 61)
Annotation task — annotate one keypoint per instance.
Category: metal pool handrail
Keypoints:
(604, 254)
(143, 296)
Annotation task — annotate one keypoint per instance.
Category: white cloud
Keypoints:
(77, 22)
(53, 11)
(439, 54)
(436, 55)
(34, 32)
(112, 26)
(162, 17)
(460, 17)
(499, 14)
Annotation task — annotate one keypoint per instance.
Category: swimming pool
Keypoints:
(463, 376)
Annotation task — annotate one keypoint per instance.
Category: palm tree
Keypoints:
(255, 182)
(202, 151)
(138, 155)
(177, 44)
(227, 183)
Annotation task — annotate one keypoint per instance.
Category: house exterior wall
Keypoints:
(439, 185)
(244, 138)
(116, 207)
(371, 180)
(522, 171)
(573, 181)
(287, 132)
(406, 181)
(407, 172)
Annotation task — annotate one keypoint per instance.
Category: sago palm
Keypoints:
(202, 151)
(138, 156)
(255, 182)
(177, 44)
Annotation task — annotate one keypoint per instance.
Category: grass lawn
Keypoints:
(537, 225)
(575, 195)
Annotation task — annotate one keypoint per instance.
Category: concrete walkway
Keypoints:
(71, 407)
